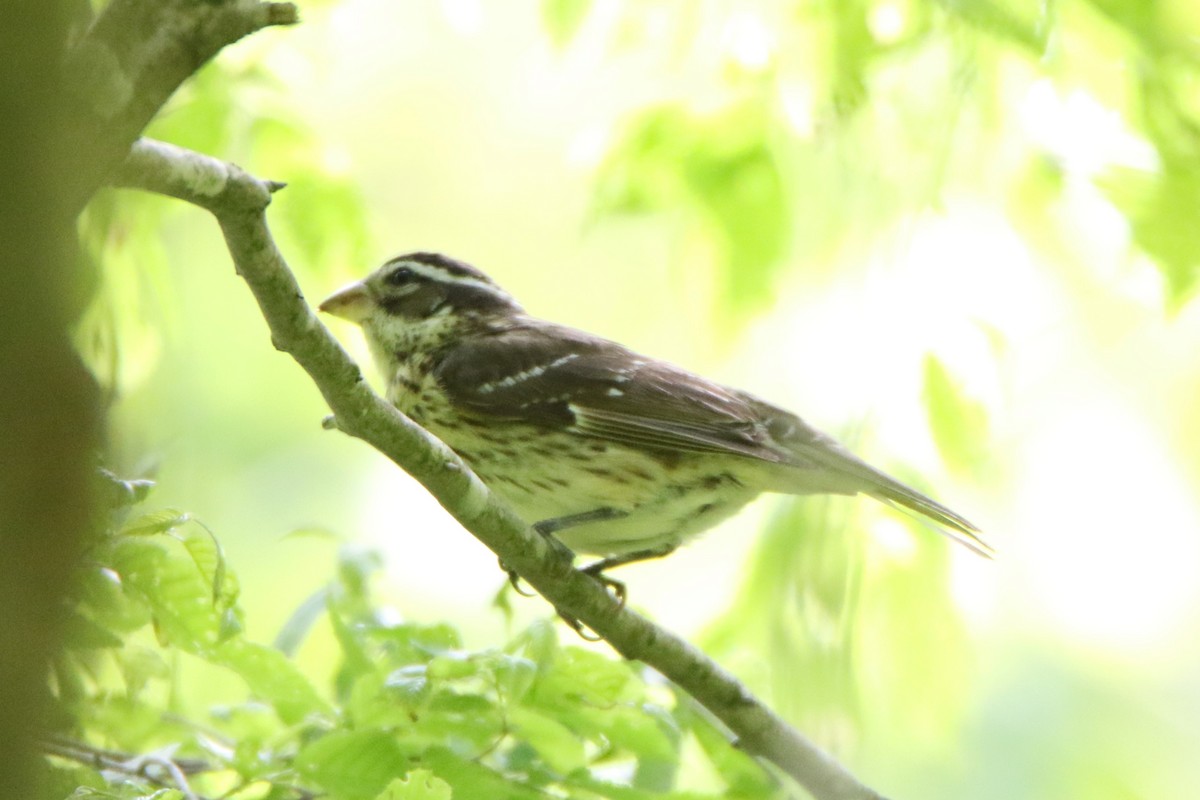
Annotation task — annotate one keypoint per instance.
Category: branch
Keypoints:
(161, 767)
(239, 202)
(130, 61)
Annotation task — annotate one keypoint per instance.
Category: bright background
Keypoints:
(962, 239)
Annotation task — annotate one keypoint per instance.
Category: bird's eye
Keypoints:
(399, 276)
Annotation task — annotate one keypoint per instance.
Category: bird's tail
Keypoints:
(948, 523)
(846, 473)
(815, 462)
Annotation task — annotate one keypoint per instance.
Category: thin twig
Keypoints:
(142, 766)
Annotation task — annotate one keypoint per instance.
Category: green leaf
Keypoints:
(723, 169)
(557, 744)
(298, 625)
(918, 675)
(206, 553)
(539, 642)
(580, 677)
(470, 779)
(356, 662)
(420, 784)
(354, 765)
(369, 705)
(743, 776)
(562, 19)
(958, 423)
(82, 632)
(458, 703)
(1000, 19)
(454, 665)
(646, 731)
(412, 642)
(156, 522)
(1162, 208)
(140, 666)
(179, 596)
(812, 585)
(410, 685)
(273, 678)
(514, 676)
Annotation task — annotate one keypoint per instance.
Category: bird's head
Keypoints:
(418, 300)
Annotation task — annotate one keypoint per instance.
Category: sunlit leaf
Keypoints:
(453, 665)
(798, 612)
(958, 422)
(1023, 22)
(369, 705)
(296, 629)
(915, 667)
(540, 643)
(645, 731)
(562, 18)
(179, 596)
(578, 673)
(471, 779)
(514, 676)
(743, 776)
(142, 665)
(103, 597)
(722, 167)
(155, 522)
(409, 684)
(354, 765)
(273, 678)
(420, 784)
(206, 552)
(1162, 209)
(557, 744)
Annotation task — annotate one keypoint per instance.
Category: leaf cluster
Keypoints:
(845, 118)
(410, 712)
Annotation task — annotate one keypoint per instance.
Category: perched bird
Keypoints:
(613, 453)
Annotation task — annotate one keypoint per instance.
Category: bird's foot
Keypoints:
(583, 632)
(514, 580)
(614, 587)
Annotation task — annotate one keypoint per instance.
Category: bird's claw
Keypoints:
(514, 580)
(579, 629)
(612, 586)
(615, 587)
(595, 571)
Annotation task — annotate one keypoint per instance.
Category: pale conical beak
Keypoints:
(351, 302)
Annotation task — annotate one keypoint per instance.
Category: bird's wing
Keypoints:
(557, 377)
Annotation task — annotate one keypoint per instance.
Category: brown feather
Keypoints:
(545, 374)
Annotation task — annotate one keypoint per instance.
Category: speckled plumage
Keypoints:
(561, 423)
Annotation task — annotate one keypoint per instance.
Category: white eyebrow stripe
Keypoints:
(524, 375)
(443, 276)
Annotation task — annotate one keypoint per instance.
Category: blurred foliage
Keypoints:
(834, 81)
(847, 628)
(237, 112)
(562, 18)
(723, 169)
(410, 714)
(820, 127)
(835, 121)
(958, 423)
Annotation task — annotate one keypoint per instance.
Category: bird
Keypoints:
(609, 452)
